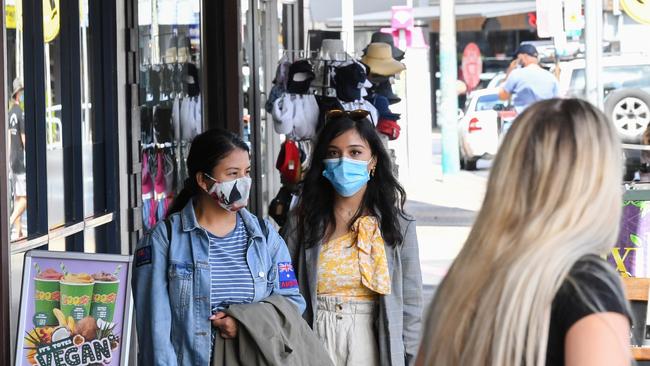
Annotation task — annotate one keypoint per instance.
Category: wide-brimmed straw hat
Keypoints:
(380, 59)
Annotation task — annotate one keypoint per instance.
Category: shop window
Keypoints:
(88, 140)
(16, 121)
(170, 98)
(54, 113)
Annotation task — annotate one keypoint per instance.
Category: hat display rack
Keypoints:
(308, 84)
(170, 117)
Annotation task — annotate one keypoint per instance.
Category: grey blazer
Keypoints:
(400, 313)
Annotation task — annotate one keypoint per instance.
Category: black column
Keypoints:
(221, 68)
(35, 128)
(71, 118)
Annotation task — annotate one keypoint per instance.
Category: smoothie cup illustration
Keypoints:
(104, 296)
(76, 295)
(46, 297)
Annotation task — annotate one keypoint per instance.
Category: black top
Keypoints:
(16, 130)
(567, 308)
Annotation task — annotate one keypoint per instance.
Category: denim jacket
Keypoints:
(171, 287)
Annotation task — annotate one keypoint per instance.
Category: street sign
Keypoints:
(637, 10)
(472, 65)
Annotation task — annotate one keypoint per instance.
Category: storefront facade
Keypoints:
(103, 99)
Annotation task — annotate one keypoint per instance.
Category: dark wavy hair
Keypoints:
(384, 197)
(206, 151)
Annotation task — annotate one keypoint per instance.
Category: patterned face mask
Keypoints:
(231, 195)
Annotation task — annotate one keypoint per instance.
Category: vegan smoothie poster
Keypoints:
(630, 255)
(73, 310)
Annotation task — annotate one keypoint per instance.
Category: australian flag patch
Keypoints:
(143, 256)
(287, 275)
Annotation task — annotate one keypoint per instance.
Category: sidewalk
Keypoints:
(445, 210)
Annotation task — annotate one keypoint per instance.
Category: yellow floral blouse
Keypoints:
(354, 266)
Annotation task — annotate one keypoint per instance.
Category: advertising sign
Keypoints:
(472, 65)
(637, 9)
(630, 255)
(75, 309)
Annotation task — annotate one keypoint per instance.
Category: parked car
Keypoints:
(626, 83)
(626, 101)
(480, 126)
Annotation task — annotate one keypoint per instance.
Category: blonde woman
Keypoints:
(528, 287)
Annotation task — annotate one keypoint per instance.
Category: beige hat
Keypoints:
(379, 57)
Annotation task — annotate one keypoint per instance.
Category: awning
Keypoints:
(428, 13)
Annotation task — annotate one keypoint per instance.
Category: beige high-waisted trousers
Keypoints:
(347, 330)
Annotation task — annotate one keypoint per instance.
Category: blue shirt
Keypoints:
(231, 278)
(530, 84)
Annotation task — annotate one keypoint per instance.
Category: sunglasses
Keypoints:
(355, 115)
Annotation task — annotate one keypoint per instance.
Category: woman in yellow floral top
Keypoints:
(354, 249)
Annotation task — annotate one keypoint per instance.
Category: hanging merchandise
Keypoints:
(384, 88)
(296, 116)
(380, 37)
(389, 128)
(363, 105)
(382, 104)
(289, 162)
(162, 123)
(300, 76)
(281, 205)
(349, 81)
(146, 123)
(279, 84)
(191, 80)
(148, 203)
(333, 50)
(380, 60)
(326, 104)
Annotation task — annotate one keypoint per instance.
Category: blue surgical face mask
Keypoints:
(347, 176)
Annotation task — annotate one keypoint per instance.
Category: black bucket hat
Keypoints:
(349, 82)
(301, 74)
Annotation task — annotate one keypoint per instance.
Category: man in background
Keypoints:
(527, 80)
(17, 156)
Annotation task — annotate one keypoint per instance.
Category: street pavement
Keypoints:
(445, 208)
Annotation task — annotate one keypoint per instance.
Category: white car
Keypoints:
(480, 126)
(626, 84)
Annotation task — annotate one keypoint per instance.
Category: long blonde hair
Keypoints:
(553, 197)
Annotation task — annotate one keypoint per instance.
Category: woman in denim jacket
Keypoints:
(210, 253)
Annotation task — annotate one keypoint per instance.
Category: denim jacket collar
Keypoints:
(189, 221)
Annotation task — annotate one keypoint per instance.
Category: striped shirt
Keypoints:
(231, 278)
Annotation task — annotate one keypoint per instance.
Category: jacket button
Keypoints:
(261, 274)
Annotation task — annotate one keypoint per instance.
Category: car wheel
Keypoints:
(629, 110)
(630, 172)
(468, 163)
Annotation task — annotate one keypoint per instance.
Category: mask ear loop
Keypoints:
(212, 179)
